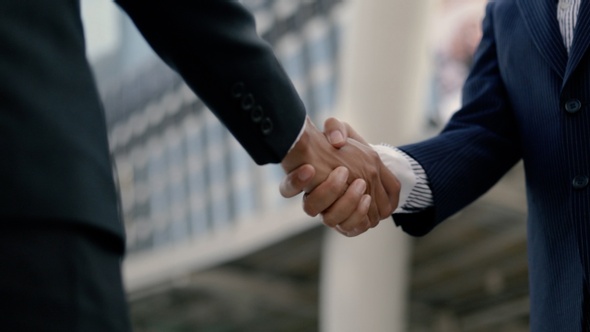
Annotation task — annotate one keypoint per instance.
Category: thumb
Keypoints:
(336, 132)
(294, 182)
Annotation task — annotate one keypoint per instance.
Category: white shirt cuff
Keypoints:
(415, 194)
(298, 136)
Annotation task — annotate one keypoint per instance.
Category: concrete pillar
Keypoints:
(364, 281)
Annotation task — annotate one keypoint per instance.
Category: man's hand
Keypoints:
(346, 208)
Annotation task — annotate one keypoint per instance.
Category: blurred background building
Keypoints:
(211, 244)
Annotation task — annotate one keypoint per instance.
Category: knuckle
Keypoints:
(374, 158)
(374, 218)
(329, 220)
(346, 228)
(334, 187)
(374, 221)
(372, 172)
(340, 230)
(309, 209)
(386, 211)
(372, 224)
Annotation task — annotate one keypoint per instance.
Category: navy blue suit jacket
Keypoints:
(525, 98)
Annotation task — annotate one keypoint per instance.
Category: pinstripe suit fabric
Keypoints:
(514, 107)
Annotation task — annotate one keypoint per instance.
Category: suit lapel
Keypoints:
(581, 39)
(541, 20)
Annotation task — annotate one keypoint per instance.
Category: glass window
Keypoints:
(217, 171)
(243, 188)
(196, 174)
(176, 189)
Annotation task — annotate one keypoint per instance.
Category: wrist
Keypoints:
(300, 151)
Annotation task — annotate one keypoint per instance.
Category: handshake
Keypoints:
(343, 178)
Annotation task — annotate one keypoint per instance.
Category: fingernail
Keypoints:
(365, 201)
(304, 174)
(359, 186)
(341, 174)
(336, 137)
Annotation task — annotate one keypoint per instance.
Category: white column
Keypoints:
(364, 281)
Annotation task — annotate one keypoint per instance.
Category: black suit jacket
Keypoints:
(55, 161)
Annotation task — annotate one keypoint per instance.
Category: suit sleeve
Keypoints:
(214, 46)
(477, 147)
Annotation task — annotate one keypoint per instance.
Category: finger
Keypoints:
(373, 213)
(337, 229)
(294, 182)
(345, 206)
(358, 222)
(327, 192)
(382, 201)
(336, 132)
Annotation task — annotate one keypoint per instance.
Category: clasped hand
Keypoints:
(343, 178)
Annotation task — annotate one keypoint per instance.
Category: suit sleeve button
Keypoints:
(266, 126)
(580, 182)
(257, 114)
(247, 102)
(237, 90)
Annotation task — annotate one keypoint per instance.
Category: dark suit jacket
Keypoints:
(524, 98)
(54, 157)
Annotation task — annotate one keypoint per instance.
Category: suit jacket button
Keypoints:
(580, 182)
(237, 90)
(573, 106)
(257, 114)
(266, 126)
(247, 102)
